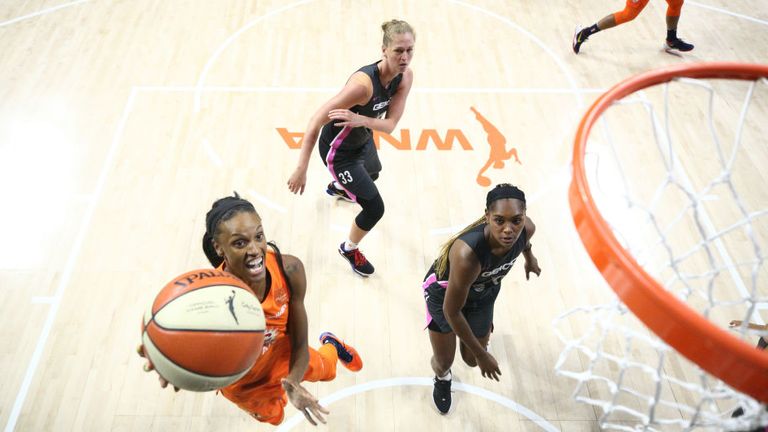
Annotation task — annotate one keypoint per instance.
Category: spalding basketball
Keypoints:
(204, 330)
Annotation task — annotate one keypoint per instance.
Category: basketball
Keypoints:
(204, 330)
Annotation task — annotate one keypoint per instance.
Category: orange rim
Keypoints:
(711, 347)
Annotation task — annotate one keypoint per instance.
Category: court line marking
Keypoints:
(212, 155)
(55, 300)
(727, 12)
(558, 61)
(43, 300)
(198, 89)
(345, 229)
(556, 58)
(561, 179)
(422, 90)
(422, 382)
(115, 143)
(231, 39)
(266, 201)
(40, 13)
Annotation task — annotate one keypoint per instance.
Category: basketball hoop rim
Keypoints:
(710, 346)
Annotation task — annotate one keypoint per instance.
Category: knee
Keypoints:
(674, 7)
(379, 208)
(373, 211)
(626, 15)
(441, 365)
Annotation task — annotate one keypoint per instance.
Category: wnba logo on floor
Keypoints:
(453, 138)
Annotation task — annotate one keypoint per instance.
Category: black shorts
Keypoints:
(355, 169)
(479, 314)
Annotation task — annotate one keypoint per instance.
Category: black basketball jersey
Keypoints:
(492, 267)
(376, 107)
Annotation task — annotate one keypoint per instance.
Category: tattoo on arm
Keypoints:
(290, 268)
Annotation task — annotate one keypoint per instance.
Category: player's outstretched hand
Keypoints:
(149, 367)
(297, 181)
(304, 402)
(488, 365)
(532, 266)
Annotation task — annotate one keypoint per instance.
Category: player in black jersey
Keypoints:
(762, 344)
(372, 99)
(462, 284)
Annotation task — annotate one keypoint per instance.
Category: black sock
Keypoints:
(671, 35)
(589, 31)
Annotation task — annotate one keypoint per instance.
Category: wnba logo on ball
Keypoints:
(497, 142)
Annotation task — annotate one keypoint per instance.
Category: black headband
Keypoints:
(503, 191)
(222, 207)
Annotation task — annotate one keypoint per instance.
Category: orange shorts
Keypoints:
(260, 392)
(633, 8)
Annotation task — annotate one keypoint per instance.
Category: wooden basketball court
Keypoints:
(121, 122)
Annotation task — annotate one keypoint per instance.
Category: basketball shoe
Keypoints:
(357, 260)
(348, 356)
(579, 38)
(335, 192)
(441, 395)
(677, 44)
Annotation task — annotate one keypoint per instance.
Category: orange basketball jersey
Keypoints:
(276, 341)
(259, 392)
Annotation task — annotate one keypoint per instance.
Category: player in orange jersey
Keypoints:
(631, 10)
(234, 241)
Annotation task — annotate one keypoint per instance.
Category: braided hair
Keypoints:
(501, 191)
(222, 210)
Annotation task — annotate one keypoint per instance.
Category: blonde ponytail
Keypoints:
(441, 263)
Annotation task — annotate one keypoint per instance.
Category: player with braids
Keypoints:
(631, 10)
(372, 99)
(234, 241)
(461, 286)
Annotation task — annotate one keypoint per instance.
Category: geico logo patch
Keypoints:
(380, 105)
(504, 267)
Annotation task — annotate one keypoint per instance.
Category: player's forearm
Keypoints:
(461, 327)
(299, 362)
(528, 253)
(297, 331)
(307, 144)
(386, 125)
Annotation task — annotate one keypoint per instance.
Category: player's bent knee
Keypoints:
(626, 15)
(442, 363)
(373, 211)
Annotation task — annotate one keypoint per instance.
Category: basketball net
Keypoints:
(670, 199)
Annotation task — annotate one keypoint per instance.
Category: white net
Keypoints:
(678, 170)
